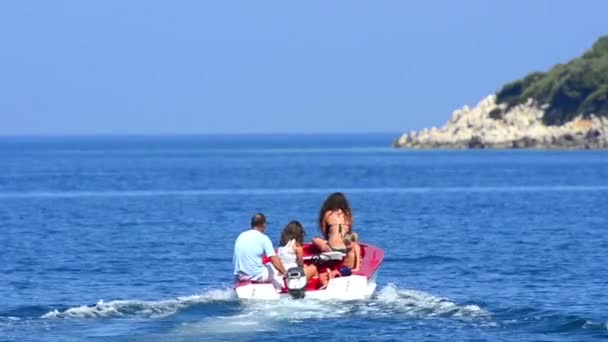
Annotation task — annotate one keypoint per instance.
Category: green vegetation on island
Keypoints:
(579, 87)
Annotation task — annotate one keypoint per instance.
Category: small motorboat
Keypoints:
(356, 286)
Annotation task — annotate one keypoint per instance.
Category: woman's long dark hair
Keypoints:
(335, 201)
(293, 230)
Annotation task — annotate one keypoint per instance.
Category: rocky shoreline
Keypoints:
(518, 127)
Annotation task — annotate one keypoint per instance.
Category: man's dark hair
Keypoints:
(258, 220)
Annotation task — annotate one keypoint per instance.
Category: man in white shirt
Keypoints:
(249, 248)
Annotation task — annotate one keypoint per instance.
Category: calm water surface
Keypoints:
(130, 238)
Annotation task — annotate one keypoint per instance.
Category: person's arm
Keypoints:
(357, 258)
(300, 256)
(274, 259)
(276, 262)
(323, 225)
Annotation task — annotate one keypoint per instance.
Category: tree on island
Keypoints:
(579, 87)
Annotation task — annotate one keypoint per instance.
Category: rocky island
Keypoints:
(565, 108)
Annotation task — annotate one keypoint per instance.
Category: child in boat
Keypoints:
(351, 263)
(290, 249)
(353, 256)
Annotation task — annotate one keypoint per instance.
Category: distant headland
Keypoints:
(564, 108)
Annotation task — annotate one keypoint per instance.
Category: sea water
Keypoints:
(130, 238)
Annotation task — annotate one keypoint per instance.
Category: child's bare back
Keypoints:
(353, 255)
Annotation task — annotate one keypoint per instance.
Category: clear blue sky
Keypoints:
(81, 67)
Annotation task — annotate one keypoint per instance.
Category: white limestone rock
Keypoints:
(520, 127)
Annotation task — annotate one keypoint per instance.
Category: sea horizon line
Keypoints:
(211, 134)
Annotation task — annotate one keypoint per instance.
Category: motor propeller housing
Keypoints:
(296, 282)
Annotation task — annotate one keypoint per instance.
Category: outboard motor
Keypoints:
(296, 282)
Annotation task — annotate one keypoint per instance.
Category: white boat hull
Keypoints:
(354, 287)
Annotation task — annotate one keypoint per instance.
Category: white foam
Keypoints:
(264, 316)
(244, 323)
(294, 310)
(261, 316)
(419, 303)
(138, 308)
(589, 324)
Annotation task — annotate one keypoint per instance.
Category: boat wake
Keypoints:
(142, 309)
(270, 316)
(390, 300)
(218, 313)
(422, 304)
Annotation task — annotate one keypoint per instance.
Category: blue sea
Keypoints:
(129, 238)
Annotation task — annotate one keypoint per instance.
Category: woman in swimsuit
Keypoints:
(335, 220)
